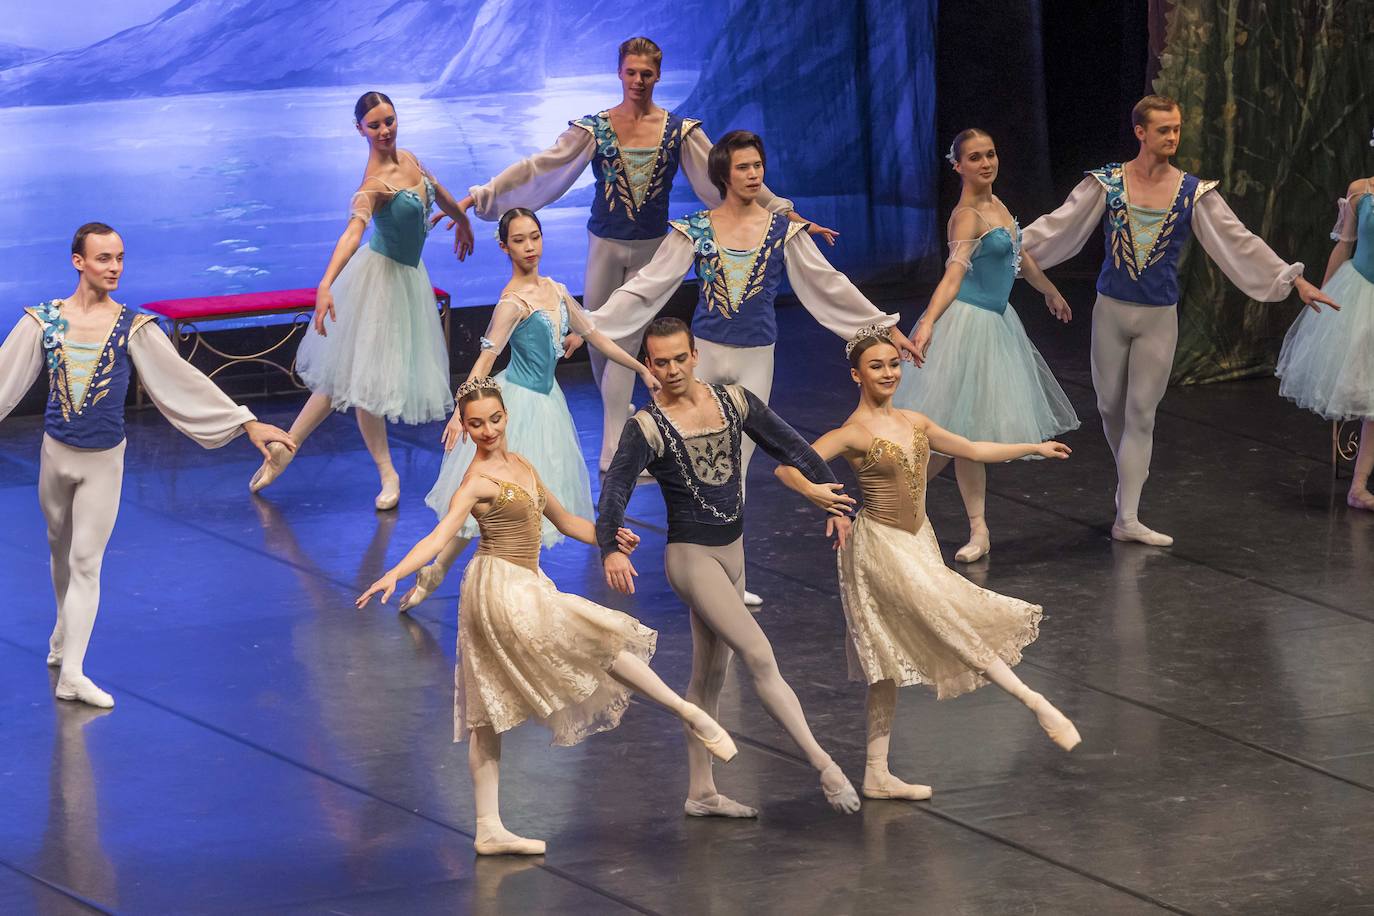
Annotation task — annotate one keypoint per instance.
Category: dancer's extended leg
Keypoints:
(878, 779)
(311, 416)
(79, 494)
(1054, 722)
(973, 487)
(707, 579)
(710, 663)
(484, 763)
(1359, 496)
(373, 429)
(636, 674)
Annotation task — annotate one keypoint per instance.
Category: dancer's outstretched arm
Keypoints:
(1345, 231)
(1246, 259)
(632, 456)
(1058, 236)
(828, 496)
(448, 206)
(831, 298)
(190, 401)
(535, 181)
(21, 360)
(965, 237)
(1054, 300)
(472, 490)
(583, 326)
(630, 309)
(365, 201)
(508, 313)
(948, 443)
(580, 529)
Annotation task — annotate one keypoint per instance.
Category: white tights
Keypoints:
(1132, 356)
(78, 490)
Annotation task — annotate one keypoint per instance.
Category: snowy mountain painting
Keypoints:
(218, 136)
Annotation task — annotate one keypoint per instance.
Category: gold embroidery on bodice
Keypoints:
(893, 482)
(511, 527)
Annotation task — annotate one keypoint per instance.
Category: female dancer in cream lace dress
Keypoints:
(910, 618)
(525, 649)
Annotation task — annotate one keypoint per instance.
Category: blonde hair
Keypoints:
(643, 47)
(1140, 114)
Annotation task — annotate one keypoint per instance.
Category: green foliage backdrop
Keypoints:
(1277, 106)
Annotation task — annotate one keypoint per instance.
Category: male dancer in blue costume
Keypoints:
(89, 344)
(1148, 209)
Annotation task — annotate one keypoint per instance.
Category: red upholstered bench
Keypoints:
(187, 321)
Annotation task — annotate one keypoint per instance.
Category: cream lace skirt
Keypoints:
(529, 651)
(914, 620)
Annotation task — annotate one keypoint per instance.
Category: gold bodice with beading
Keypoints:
(893, 482)
(511, 527)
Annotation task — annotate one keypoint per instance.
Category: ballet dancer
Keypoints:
(1148, 210)
(688, 438)
(984, 379)
(89, 343)
(378, 346)
(911, 619)
(525, 649)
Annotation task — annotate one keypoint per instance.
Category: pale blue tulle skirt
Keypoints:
(1327, 360)
(385, 353)
(984, 380)
(540, 428)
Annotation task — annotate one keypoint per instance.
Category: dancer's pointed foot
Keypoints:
(1360, 499)
(752, 600)
(427, 580)
(493, 839)
(390, 494)
(82, 690)
(717, 806)
(885, 785)
(272, 467)
(1135, 531)
(979, 545)
(839, 791)
(1057, 725)
(709, 732)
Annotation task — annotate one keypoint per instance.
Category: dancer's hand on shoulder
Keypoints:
(830, 497)
(571, 343)
(1053, 450)
(454, 431)
(1058, 306)
(620, 572)
(1312, 296)
(260, 434)
(324, 305)
(386, 585)
(626, 540)
(650, 381)
(838, 527)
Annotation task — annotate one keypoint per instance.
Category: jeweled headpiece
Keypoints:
(476, 384)
(950, 156)
(878, 331)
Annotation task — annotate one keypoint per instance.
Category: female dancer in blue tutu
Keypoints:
(533, 316)
(382, 351)
(983, 380)
(1327, 361)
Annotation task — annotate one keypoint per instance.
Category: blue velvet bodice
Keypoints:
(96, 419)
(400, 226)
(1144, 276)
(615, 212)
(735, 305)
(992, 271)
(535, 348)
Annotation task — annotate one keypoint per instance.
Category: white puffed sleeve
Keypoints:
(1243, 256)
(185, 395)
(1058, 236)
(1347, 226)
(630, 309)
(509, 312)
(826, 293)
(696, 148)
(537, 180)
(21, 360)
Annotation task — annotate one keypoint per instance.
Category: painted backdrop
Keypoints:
(217, 135)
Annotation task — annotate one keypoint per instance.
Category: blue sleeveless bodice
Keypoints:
(1141, 266)
(535, 348)
(988, 282)
(616, 214)
(735, 304)
(1363, 258)
(95, 420)
(400, 226)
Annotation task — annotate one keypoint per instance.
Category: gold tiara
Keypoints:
(879, 331)
(476, 384)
